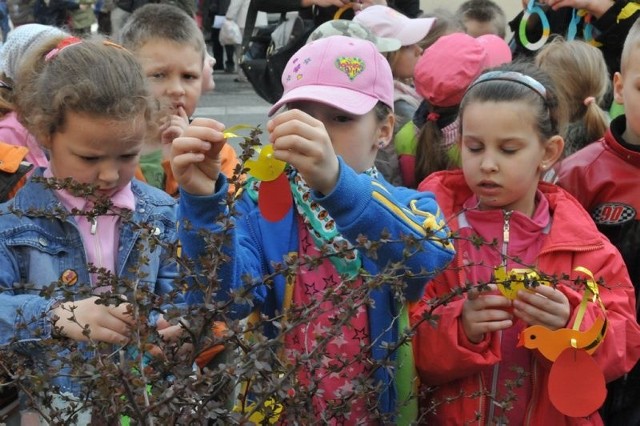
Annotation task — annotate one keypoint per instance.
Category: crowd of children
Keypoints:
(419, 175)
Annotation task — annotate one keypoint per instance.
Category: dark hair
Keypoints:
(431, 152)
(549, 119)
(93, 77)
(484, 11)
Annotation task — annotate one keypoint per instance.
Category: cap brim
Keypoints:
(385, 44)
(415, 30)
(338, 97)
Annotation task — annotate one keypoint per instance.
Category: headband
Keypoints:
(514, 76)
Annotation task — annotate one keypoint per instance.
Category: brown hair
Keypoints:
(155, 21)
(93, 77)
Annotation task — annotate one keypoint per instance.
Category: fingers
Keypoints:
(544, 306)
(485, 313)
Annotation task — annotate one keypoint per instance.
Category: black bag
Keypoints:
(262, 62)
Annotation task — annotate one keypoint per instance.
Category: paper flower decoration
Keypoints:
(274, 197)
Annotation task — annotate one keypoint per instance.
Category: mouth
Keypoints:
(488, 187)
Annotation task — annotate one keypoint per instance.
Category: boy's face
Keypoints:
(174, 73)
(626, 87)
(478, 28)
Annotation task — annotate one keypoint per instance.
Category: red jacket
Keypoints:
(446, 359)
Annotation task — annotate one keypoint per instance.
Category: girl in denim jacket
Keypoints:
(86, 102)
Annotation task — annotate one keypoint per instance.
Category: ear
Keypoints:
(384, 134)
(617, 88)
(553, 149)
(45, 141)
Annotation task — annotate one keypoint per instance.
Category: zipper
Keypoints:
(96, 244)
(506, 228)
(505, 236)
(534, 383)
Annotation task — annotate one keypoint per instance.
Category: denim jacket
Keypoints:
(39, 250)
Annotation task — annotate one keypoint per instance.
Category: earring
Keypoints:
(543, 166)
(380, 144)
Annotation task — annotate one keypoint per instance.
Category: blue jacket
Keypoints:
(37, 250)
(359, 205)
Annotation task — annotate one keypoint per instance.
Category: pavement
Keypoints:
(232, 103)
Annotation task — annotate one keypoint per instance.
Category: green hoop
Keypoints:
(546, 28)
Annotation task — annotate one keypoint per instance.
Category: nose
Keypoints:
(175, 87)
(488, 164)
(108, 175)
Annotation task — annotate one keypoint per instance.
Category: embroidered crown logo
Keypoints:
(350, 66)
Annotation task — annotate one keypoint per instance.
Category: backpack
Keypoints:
(267, 50)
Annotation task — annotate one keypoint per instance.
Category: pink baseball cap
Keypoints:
(451, 64)
(384, 21)
(344, 72)
(498, 51)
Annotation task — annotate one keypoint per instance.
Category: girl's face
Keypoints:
(356, 138)
(405, 61)
(503, 156)
(98, 151)
(174, 73)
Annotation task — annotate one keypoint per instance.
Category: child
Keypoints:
(386, 22)
(580, 76)
(20, 41)
(480, 17)
(171, 49)
(86, 102)
(509, 138)
(603, 176)
(339, 100)
(428, 143)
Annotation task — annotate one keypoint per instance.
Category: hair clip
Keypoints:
(64, 43)
(112, 44)
(4, 85)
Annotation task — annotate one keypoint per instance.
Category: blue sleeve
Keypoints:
(201, 217)
(363, 206)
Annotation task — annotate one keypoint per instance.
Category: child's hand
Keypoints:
(303, 142)
(109, 324)
(168, 332)
(173, 127)
(544, 306)
(485, 313)
(195, 156)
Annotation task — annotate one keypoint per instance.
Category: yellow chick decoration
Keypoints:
(509, 283)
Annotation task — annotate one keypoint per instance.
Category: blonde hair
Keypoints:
(582, 81)
(93, 77)
(631, 42)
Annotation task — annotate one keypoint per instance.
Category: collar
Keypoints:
(630, 153)
(122, 199)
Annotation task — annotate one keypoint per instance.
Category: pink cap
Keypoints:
(498, 50)
(343, 72)
(449, 66)
(384, 21)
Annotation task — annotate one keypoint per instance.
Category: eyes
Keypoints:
(478, 147)
(163, 75)
(90, 159)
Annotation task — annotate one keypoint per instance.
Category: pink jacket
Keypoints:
(446, 359)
